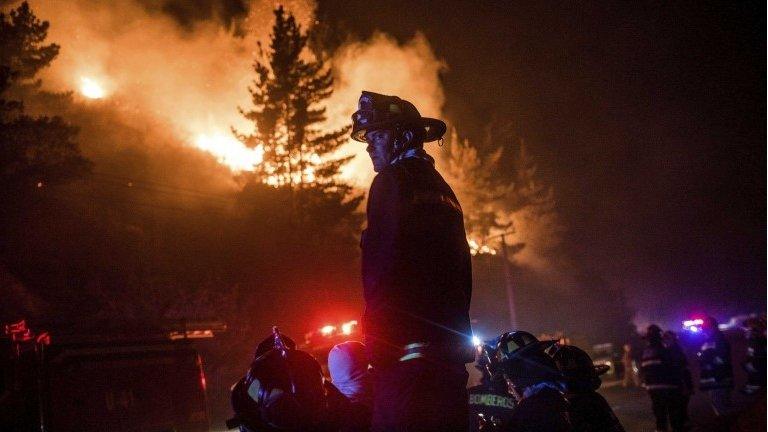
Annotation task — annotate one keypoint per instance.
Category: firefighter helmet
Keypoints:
(577, 367)
(378, 111)
(282, 389)
(520, 357)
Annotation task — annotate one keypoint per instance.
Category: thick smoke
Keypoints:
(173, 77)
(230, 13)
(382, 65)
(193, 77)
(188, 78)
(192, 80)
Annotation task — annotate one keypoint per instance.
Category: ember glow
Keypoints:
(477, 249)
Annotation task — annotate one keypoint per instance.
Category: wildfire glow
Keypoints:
(229, 151)
(91, 89)
(477, 249)
(198, 93)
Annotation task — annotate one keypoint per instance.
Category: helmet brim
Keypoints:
(601, 369)
(434, 129)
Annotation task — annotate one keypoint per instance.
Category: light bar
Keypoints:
(693, 322)
(191, 334)
(347, 327)
(327, 330)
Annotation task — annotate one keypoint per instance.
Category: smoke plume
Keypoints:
(172, 77)
(382, 65)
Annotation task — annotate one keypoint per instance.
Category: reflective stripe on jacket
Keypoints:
(715, 366)
(660, 368)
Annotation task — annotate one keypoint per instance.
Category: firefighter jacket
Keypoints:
(715, 366)
(590, 412)
(679, 355)
(755, 364)
(344, 414)
(416, 268)
(544, 409)
(493, 402)
(660, 368)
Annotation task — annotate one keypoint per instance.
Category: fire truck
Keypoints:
(320, 341)
(58, 384)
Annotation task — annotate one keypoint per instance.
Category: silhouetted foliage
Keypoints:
(501, 198)
(22, 49)
(34, 152)
(37, 152)
(287, 94)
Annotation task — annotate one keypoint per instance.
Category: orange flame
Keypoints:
(194, 81)
(91, 89)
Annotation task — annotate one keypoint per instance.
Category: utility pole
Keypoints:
(507, 277)
(508, 283)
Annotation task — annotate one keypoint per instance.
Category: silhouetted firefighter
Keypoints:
(663, 376)
(416, 274)
(284, 390)
(534, 380)
(490, 404)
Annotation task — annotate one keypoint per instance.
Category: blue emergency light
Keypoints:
(694, 325)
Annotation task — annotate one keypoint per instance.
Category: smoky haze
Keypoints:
(647, 120)
(655, 171)
(626, 150)
(173, 77)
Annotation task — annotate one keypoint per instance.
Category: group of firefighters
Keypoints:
(526, 385)
(409, 372)
(667, 378)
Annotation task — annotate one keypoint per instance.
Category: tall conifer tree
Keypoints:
(287, 112)
(33, 151)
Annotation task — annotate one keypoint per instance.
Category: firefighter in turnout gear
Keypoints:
(662, 374)
(755, 364)
(417, 274)
(589, 411)
(282, 391)
(490, 401)
(671, 342)
(716, 370)
(533, 378)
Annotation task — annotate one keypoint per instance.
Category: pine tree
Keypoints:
(515, 202)
(22, 53)
(475, 181)
(34, 152)
(287, 95)
(22, 36)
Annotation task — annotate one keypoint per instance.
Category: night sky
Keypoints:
(647, 118)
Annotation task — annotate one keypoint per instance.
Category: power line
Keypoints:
(125, 202)
(152, 185)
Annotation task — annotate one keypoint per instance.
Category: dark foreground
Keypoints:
(633, 407)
